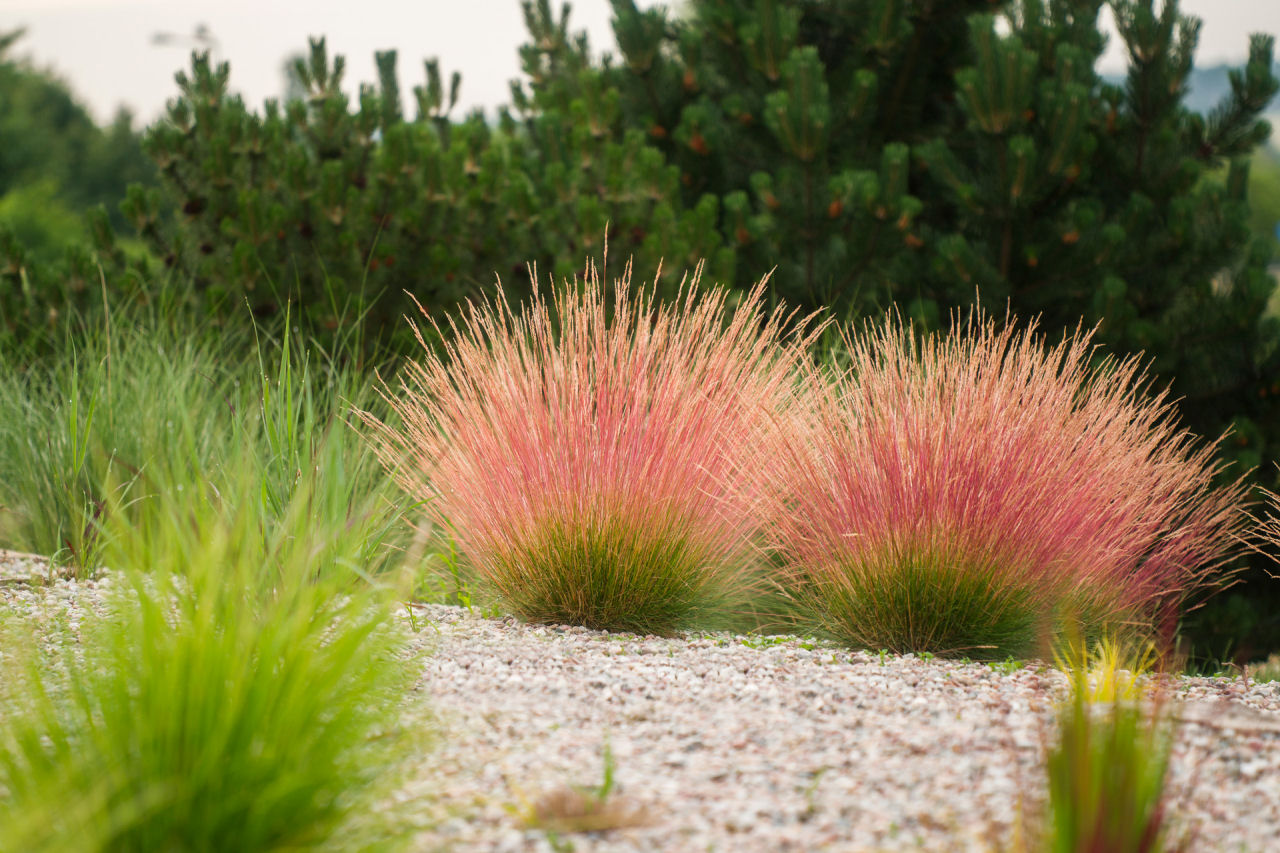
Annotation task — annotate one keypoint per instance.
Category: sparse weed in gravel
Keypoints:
(970, 494)
(811, 789)
(1268, 670)
(763, 641)
(1108, 767)
(412, 616)
(573, 809)
(1008, 666)
(593, 459)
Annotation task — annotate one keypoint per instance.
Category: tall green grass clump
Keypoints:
(131, 409)
(593, 458)
(242, 691)
(976, 492)
(138, 407)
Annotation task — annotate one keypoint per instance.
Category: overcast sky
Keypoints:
(105, 50)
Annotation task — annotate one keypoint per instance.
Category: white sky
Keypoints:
(104, 49)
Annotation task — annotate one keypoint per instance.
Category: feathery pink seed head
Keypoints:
(580, 424)
(988, 445)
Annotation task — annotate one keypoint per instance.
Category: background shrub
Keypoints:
(335, 205)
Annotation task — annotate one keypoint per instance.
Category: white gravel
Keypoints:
(728, 743)
(776, 744)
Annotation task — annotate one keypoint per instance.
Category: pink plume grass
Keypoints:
(594, 460)
(964, 493)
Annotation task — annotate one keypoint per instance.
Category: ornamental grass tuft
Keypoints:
(136, 407)
(593, 458)
(978, 493)
(242, 688)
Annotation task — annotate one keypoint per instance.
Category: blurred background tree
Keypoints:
(54, 161)
(56, 167)
(293, 89)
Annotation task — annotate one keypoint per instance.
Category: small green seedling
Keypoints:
(810, 792)
(762, 641)
(1008, 666)
(413, 618)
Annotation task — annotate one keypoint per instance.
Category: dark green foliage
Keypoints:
(608, 579)
(882, 151)
(926, 604)
(334, 204)
(799, 117)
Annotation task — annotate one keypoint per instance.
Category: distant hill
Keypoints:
(1208, 86)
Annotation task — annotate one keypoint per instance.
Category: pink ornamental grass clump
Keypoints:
(593, 459)
(970, 493)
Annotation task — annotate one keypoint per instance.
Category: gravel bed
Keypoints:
(724, 743)
(777, 744)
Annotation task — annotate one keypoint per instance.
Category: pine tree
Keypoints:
(343, 207)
